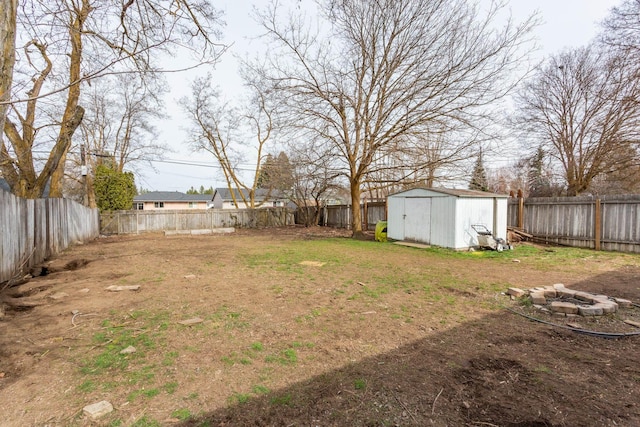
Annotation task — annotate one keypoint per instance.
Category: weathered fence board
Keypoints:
(134, 222)
(606, 222)
(34, 230)
(339, 216)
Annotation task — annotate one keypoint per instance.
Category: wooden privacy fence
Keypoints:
(34, 230)
(339, 216)
(608, 222)
(134, 222)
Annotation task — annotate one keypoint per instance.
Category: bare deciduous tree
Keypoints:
(223, 131)
(622, 28)
(70, 42)
(377, 72)
(118, 124)
(582, 106)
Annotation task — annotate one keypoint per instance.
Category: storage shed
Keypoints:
(443, 217)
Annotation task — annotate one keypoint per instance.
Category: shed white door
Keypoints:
(417, 219)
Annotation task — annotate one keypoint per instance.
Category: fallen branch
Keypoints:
(433, 406)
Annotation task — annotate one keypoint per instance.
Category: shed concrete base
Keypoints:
(412, 244)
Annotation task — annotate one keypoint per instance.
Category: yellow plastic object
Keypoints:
(381, 231)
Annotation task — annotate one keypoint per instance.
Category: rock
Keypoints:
(558, 286)
(128, 350)
(564, 307)
(549, 292)
(515, 260)
(190, 276)
(97, 410)
(114, 288)
(516, 292)
(84, 290)
(59, 295)
(190, 322)
(589, 310)
(537, 297)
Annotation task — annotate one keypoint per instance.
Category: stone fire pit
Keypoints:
(568, 302)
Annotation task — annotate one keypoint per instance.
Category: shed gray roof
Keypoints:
(456, 192)
(171, 196)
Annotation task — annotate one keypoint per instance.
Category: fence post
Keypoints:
(365, 208)
(520, 211)
(597, 224)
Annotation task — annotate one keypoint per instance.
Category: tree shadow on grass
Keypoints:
(501, 370)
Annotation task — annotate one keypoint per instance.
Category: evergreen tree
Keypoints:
(539, 183)
(276, 173)
(114, 190)
(479, 177)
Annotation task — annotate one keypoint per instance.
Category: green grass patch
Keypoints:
(286, 357)
(260, 389)
(183, 414)
(171, 387)
(284, 399)
(146, 422)
(239, 398)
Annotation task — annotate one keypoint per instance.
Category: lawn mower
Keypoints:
(486, 240)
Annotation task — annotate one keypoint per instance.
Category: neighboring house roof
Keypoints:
(260, 194)
(5, 186)
(455, 192)
(171, 196)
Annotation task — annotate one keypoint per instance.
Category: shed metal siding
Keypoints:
(443, 219)
(450, 218)
(395, 221)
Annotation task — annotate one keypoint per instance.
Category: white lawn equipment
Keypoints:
(486, 240)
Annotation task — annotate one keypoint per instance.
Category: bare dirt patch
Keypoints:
(307, 327)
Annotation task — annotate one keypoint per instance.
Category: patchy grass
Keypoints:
(270, 322)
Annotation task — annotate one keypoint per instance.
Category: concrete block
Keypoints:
(97, 410)
(177, 232)
(589, 310)
(584, 296)
(566, 293)
(538, 298)
(607, 307)
(549, 292)
(624, 303)
(564, 307)
(223, 230)
(201, 232)
(516, 292)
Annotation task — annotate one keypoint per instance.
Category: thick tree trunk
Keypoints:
(7, 60)
(356, 219)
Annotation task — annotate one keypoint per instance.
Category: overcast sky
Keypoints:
(565, 24)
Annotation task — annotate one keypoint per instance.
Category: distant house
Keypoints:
(171, 200)
(263, 199)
